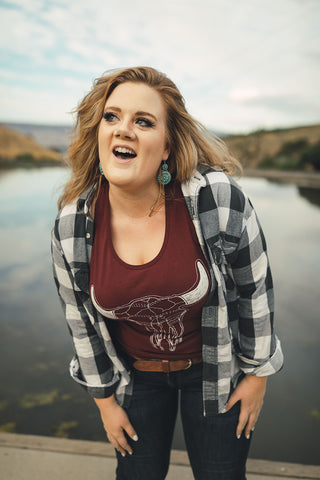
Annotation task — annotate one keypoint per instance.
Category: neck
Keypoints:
(144, 203)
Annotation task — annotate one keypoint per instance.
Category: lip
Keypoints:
(123, 160)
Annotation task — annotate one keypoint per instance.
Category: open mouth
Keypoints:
(124, 153)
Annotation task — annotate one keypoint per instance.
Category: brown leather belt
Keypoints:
(165, 366)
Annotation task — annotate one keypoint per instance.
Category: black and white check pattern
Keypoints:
(237, 320)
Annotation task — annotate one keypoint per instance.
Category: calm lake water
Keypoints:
(36, 394)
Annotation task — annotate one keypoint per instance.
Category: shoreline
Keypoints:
(297, 177)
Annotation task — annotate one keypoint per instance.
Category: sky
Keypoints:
(241, 65)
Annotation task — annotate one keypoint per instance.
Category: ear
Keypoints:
(166, 152)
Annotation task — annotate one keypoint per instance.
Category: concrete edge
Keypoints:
(104, 449)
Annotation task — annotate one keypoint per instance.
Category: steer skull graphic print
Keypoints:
(161, 316)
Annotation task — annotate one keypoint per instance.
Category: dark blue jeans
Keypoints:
(215, 452)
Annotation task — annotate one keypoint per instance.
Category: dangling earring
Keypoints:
(164, 176)
(100, 169)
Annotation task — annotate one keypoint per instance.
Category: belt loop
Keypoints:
(165, 366)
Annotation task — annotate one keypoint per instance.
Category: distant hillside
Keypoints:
(287, 149)
(53, 137)
(17, 149)
(282, 149)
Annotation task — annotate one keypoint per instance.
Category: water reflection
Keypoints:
(37, 396)
(310, 194)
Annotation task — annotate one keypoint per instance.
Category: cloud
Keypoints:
(213, 50)
(22, 35)
(32, 105)
(288, 104)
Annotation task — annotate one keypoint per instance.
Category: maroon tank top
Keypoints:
(152, 310)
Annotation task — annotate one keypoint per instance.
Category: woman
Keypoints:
(162, 269)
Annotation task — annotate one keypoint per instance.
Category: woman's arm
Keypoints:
(91, 367)
(258, 349)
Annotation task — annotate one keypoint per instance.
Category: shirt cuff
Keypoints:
(97, 391)
(271, 366)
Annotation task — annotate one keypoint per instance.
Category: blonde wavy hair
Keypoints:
(190, 142)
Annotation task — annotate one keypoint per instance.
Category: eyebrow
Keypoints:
(117, 109)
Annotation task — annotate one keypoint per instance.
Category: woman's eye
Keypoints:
(144, 122)
(109, 117)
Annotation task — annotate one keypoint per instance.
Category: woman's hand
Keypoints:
(116, 422)
(250, 391)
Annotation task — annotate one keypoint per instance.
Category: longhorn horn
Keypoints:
(202, 285)
(106, 313)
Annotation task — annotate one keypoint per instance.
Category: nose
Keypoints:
(124, 131)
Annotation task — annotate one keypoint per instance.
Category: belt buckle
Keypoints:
(189, 364)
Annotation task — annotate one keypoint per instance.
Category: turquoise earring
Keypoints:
(164, 176)
(100, 169)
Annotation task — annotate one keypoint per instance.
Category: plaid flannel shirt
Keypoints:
(237, 319)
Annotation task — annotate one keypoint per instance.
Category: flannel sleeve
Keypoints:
(90, 367)
(259, 350)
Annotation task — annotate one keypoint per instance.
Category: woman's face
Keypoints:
(132, 136)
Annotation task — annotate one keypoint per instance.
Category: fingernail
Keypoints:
(224, 410)
(130, 453)
(238, 437)
(135, 438)
(252, 429)
(123, 454)
(248, 436)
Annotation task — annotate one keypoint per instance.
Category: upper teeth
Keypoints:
(123, 150)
